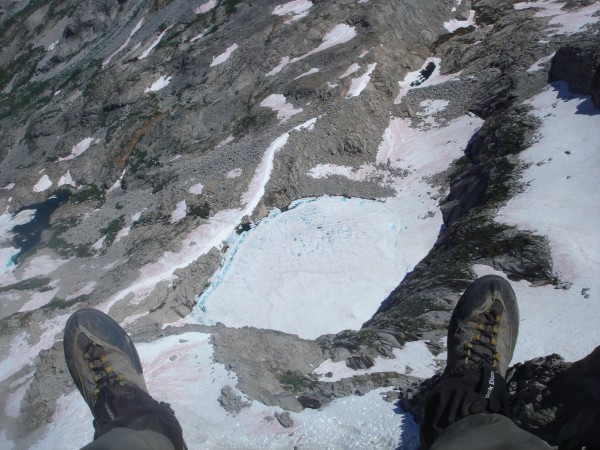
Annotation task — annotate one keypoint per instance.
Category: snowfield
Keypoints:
(561, 202)
(325, 264)
(181, 370)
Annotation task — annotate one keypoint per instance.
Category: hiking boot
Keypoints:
(99, 353)
(106, 369)
(484, 326)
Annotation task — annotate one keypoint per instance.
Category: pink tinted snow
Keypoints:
(284, 62)
(294, 7)
(180, 212)
(362, 173)
(234, 173)
(205, 237)
(125, 44)
(350, 70)
(146, 52)
(196, 189)
(22, 353)
(567, 21)
(66, 179)
(452, 25)
(225, 141)
(199, 36)
(340, 34)
(205, 7)
(434, 79)
(359, 84)
(561, 202)
(44, 183)
(78, 149)
(413, 355)
(309, 72)
(223, 56)
(278, 103)
(13, 402)
(39, 299)
(426, 152)
(539, 64)
(85, 290)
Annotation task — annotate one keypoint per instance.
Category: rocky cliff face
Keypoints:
(153, 120)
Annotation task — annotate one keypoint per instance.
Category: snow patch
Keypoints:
(340, 34)
(414, 359)
(235, 173)
(14, 399)
(206, 236)
(199, 36)
(310, 72)
(564, 162)
(22, 353)
(132, 319)
(206, 7)
(79, 149)
(125, 44)
(452, 25)
(434, 79)
(278, 103)
(180, 212)
(430, 110)
(362, 173)
(563, 21)
(66, 179)
(39, 299)
(359, 84)
(223, 56)
(539, 64)
(284, 62)
(225, 141)
(425, 151)
(85, 290)
(297, 9)
(8, 187)
(350, 70)
(42, 266)
(162, 82)
(99, 244)
(196, 189)
(181, 370)
(152, 46)
(43, 184)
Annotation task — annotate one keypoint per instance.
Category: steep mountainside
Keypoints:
(302, 190)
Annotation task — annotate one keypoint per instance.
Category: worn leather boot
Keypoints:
(106, 369)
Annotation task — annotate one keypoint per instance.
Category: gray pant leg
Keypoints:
(487, 432)
(126, 438)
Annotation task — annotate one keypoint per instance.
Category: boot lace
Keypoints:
(99, 365)
(482, 346)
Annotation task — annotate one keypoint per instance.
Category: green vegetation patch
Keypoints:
(231, 6)
(59, 303)
(25, 285)
(89, 194)
(139, 160)
(296, 382)
(112, 229)
(61, 246)
(201, 210)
